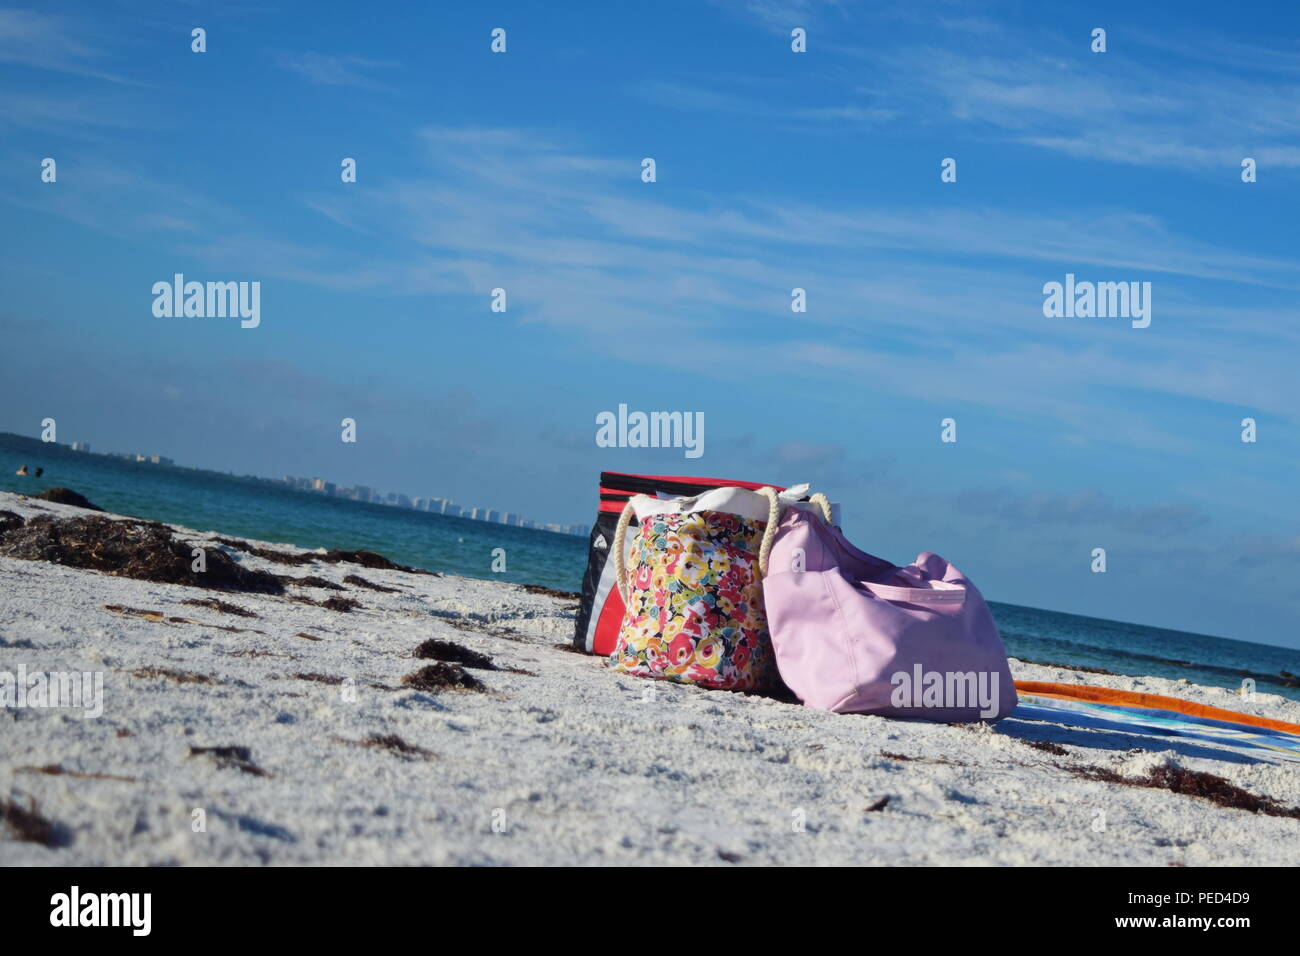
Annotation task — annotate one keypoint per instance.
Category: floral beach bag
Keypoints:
(694, 588)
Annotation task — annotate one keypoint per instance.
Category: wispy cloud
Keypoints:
(45, 42)
(1139, 111)
(700, 99)
(334, 70)
(1172, 101)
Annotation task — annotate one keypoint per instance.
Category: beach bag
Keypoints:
(854, 633)
(693, 588)
(600, 610)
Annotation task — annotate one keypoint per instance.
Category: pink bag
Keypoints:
(855, 634)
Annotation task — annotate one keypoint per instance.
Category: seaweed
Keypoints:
(10, 520)
(28, 825)
(157, 617)
(267, 554)
(369, 559)
(442, 676)
(318, 678)
(551, 592)
(66, 496)
(1193, 783)
(359, 581)
(340, 604)
(393, 744)
(215, 604)
(232, 757)
(56, 770)
(440, 650)
(333, 603)
(503, 632)
(1048, 747)
(312, 581)
(180, 677)
(145, 551)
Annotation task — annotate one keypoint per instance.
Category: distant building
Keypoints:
(80, 446)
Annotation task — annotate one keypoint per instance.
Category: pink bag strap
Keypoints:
(764, 549)
(940, 592)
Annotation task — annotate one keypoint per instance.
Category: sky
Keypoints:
(774, 170)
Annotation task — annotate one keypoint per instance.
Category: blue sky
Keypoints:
(775, 170)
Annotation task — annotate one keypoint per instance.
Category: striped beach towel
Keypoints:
(1104, 708)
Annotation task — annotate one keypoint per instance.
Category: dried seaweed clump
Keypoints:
(551, 592)
(359, 581)
(436, 649)
(10, 520)
(1194, 783)
(367, 559)
(230, 758)
(442, 676)
(144, 550)
(28, 825)
(66, 496)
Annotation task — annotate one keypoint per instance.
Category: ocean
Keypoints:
(259, 509)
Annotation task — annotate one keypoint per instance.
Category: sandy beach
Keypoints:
(287, 735)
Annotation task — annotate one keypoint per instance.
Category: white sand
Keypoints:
(573, 759)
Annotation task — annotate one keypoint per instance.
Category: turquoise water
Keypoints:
(253, 508)
(258, 509)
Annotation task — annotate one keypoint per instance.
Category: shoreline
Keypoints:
(307, 734)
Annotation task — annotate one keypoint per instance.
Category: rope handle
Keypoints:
(620, 561)
(769, 533)
(824, 503)
(764, 549)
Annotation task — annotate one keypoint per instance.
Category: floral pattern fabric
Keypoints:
(695, 609)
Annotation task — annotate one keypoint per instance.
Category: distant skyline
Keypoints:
(775, 171)
(318, 485)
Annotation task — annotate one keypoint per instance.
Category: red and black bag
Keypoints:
(601, 610)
